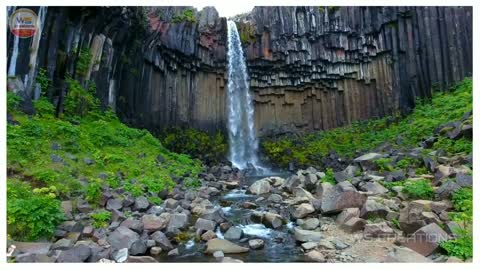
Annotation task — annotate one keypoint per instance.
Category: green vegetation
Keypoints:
(427, 116)
(187, 15)
(246, 32)
(384, 164)
(155, 200)
(199, 144)
(462, 246)
(31, 215)
(43, 80)
(71, 153)
(418, 189)
(329, 177)
(83, 62)
(101, 219)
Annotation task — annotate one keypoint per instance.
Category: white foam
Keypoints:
(189, 244)
(256, 230)
(219, 233)
(235, 194)
(290, 225)
(226, 209)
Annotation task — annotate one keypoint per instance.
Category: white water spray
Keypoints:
(242, 139)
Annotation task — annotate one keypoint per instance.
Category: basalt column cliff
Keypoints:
(310, 68)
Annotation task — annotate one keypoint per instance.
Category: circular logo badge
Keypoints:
(23, 23)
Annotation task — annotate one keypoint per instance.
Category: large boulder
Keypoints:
(302, 210)
(353, 224)
(292, 182)
(40, 248)
(225, 246)
(260, 187)
(177, 221)
(341, 196)
(205, 225)
(233, 233)
(426, 239)
(416, 215)
(373, 188)
(347, 214)
(307, 236)
(122, 237)
(315, 256)
(272, 220)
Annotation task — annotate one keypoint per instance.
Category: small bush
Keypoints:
(93, 192)
(43, 80)
(155, 200)
(83, 62)
(12, 100)
(461, 247)
(329, 177)
(188, 15)
(43, 107)
(101, 219)
(418, 189)
(31, 216)
(384, 164)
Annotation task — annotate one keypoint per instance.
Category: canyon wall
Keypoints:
(311, 68)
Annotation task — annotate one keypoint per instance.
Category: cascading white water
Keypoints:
(242, 138)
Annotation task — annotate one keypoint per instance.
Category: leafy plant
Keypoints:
(43, 107)
(384, 164)
(31, 216)
(83, 62)
(329, 177)
(461, 247)
(101, 219)
(43, 80)
(418, 189)
(93, 192)
(155, 200)
(187, 15)
(13, 100)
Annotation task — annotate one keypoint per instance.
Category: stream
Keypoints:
(279, 245)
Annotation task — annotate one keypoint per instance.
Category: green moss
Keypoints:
(246, 32)
(309, 150)
(329, 177)
(384, 164)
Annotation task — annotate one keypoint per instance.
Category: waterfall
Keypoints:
(13, 60)
(42, 13)
(243, 142)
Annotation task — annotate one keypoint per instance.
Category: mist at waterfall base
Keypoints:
(243, 143)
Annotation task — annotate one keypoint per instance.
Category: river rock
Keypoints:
(133, 224)
(122, 237)
(141, 259)
(291, 183)
(310, 224)
(155, 223)
(62, 244)
(225, 246)
(341, 196)
(272, 220)
(177, 222)
(205, 225)
(121, 255)
(234, 233)
(155, 250)
(303, 210)
(307, 236)
(138, 247)
(79, 253)
(256, 243)
(260, 187)
(275, 198)
(373, 188)
(162, 240)
(208, 235)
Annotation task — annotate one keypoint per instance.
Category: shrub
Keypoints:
(407, 163)
(79, 102)
(31, 216)
(43, 80)
(83, 62)
(43, 107)
(12, 100)
(418, 189)
(461, 247)
(192, 183)
(329, 177)
(463, 204)
(384, 164)
(155, 200)
(93, 192)
(196, 143)
(101, 219)
(187, 15)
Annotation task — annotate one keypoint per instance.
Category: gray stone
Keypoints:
(162, 240)
(307, 236)
(225, 246)
(141, 259)
(378, 230)
(303, 210)
(133, 224)
(154, 223)
(405, 255)
(341, 196)
(374, 188)
(310, 224)
(347, 214)
(208, 235)
(177, 221)
(173, 252)
(205, 225)
(275, 198)
(79, 253)
(121, 255)
(141, 203)
(218, 255)
(256, 243)
(309, 245)
(373, 209)
(114, 204)
(260, 187)
(138, 247)
(122, 237)
(426, 239)
(315, 256)
(32, 247)
(63, 244)
(272, 220)
(155, 250)
(234, 233)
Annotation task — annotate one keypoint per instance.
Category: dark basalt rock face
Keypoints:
(311, 68)
(318, 68)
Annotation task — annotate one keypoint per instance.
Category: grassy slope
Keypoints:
(36, 184)
(364, 136)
